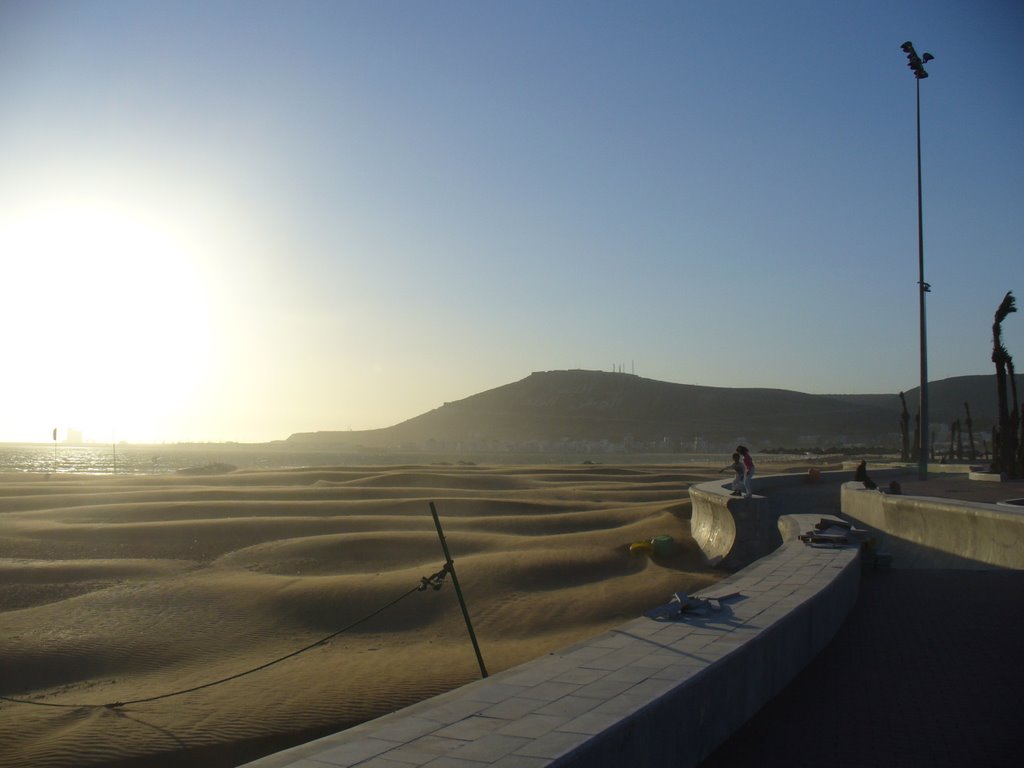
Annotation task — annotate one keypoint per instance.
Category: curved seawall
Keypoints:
(731, 531)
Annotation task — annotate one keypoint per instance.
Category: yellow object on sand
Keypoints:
(641, 547)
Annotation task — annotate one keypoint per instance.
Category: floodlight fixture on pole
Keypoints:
(916, 64)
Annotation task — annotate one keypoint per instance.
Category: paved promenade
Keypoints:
(928, 670)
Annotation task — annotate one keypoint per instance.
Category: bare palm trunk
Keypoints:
(970, 432)
(1020, 449)
(1002, 447)
(1014, 439)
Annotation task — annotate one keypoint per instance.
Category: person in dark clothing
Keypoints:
(861, 475)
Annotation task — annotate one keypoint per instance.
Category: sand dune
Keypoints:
(116, 589)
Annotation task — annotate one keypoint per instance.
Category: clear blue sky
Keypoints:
(239, 220)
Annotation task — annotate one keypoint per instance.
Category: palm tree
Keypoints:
(1020, 449)
(1003, 449)
(1014, 415)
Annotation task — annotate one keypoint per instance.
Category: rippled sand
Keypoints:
(122, 588)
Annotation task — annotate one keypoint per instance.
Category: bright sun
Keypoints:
(106, 316)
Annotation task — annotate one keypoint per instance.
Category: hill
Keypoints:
(554, 409)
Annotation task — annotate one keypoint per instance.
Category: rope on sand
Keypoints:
(435, 581)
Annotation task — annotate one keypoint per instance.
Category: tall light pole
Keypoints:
(916, 64)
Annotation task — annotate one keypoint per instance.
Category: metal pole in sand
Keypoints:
(450, 566)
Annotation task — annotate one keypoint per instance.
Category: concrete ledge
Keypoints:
(987, 477)
(798, 598)
(645, 694)
(939, 533)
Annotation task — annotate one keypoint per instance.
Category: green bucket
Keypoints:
(663, 545)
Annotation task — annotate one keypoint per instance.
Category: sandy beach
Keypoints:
(120, 588)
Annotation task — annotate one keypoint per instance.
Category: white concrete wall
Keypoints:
(927, 532)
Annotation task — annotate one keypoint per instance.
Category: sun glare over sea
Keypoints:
(116, 317)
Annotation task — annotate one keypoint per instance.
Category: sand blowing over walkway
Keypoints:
(115, 589)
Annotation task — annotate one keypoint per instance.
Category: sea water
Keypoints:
(91, 459)
(158, 459)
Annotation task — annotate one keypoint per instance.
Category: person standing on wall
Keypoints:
(739, 469)
(748, 464)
